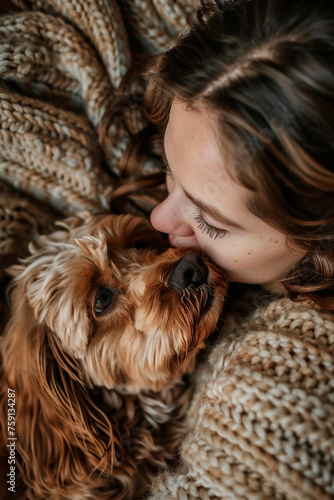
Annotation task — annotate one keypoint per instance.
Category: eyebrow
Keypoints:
(204, 207)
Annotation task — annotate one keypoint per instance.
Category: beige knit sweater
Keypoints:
(262, 418)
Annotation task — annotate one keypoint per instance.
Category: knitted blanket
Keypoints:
(262, 418)
(62, 64)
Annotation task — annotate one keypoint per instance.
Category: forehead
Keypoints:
(196, 129)
(195, 151)
(196, 156)
(195, 137)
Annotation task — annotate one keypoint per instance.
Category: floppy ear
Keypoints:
(65, 440)
(63, 437)
(48, 246)
(44, 279)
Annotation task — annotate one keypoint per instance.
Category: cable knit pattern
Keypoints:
(262, 419)
(62, 63)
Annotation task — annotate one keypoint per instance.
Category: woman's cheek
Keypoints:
(218, 250)
(228, 253)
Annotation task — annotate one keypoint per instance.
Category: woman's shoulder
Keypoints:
(262, 419)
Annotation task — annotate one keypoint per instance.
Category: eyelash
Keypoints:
(203, 226)
(166, 169)
(211, 231)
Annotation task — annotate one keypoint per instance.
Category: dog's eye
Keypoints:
(103, 300)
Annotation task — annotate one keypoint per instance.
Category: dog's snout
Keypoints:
(190, 272)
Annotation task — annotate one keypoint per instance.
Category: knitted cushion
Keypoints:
(61, 67)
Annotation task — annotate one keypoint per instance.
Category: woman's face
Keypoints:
(206, 209)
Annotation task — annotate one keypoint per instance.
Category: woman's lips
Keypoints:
(186, 241)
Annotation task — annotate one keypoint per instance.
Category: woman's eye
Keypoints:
(167, 170)
(103, 300)
(211, 231)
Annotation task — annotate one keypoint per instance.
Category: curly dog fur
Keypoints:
(102, 330)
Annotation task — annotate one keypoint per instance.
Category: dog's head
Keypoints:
(95, 307)
(129, 315)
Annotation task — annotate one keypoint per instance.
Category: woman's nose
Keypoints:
(169, 217)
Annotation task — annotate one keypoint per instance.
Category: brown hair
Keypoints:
(137, 191)
(265, 70)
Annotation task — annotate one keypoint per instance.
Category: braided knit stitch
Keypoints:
(100, 21)
(62, 63)
(262, 419)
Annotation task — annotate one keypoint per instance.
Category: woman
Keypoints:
(245, 98)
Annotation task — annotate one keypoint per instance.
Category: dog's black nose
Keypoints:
(190, 272)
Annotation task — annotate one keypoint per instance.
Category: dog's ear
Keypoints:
(48, 246)
(62, 435)
(46, 279)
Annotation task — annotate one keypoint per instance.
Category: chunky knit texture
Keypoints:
(262, 418)
(62, 63)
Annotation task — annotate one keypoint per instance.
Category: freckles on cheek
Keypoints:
(233, 255)
(261, 262)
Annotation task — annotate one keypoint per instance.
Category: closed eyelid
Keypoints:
(164, 159)
(214, 213)
(206, 228)
(165, 162)
(168, 170)
(210, 210)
